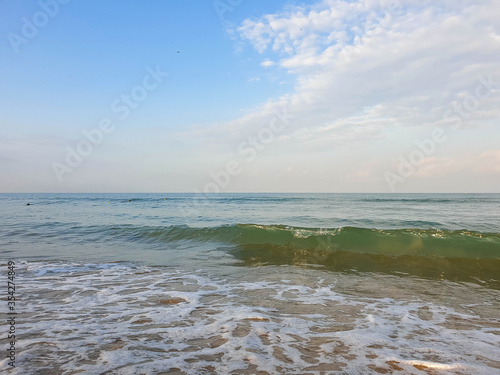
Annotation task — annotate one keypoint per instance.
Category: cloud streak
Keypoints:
(369, 65)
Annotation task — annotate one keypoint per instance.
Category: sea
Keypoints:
(250, 283)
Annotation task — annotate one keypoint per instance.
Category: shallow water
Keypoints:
(249, 283)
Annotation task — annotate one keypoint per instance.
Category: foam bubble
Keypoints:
(135, 319)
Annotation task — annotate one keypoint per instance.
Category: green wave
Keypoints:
(461, 255)
(428, 253)
(395, 242)
(433, 254)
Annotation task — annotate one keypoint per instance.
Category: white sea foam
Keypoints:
(126, 319)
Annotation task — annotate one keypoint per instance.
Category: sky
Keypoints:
(250, 96)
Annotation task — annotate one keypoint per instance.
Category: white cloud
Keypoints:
(487, 162)
(364, 66)
(412, 61)
(267, 63)
(438, 167)
(360, 62)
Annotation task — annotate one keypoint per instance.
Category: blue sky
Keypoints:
(326, 96)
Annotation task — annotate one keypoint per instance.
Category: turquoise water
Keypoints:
(440, 235)
(277, 283)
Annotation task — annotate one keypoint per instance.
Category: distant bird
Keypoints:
(28, 204)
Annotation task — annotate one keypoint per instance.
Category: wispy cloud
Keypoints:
(365, 66)
(487, 162)
(267, 63)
